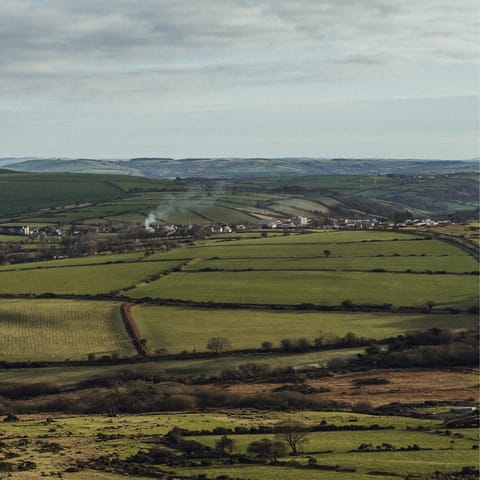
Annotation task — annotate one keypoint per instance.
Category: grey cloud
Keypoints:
(78, 48)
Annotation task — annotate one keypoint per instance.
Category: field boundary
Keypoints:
(133, 331)
(305, 306)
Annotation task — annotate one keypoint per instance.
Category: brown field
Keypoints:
(406, 386)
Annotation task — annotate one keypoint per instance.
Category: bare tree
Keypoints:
(293, 433)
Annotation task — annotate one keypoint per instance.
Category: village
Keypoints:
(297, 222)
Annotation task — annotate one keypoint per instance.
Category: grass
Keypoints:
(12, 238)
(460, 264)
(325, 288)
(60, 329)
(70, 262)
(24, 192)
(84, 279)
(252, 249)
(177, 329)
(76, 435)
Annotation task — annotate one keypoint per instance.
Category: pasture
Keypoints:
(59, 329)
(323, 268)
(443, 263)
(79, 436)
(177, 328)
(76, 261)
(81, 279)
(24, 192)
(317, 287)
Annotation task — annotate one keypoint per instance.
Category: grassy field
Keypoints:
(450, 263)
(76, 437)
(321, 268)
(24, 192)
(83, 279)
(323, 288)
(60, 329)
(70, 262)
(177, 329)
(250, 249)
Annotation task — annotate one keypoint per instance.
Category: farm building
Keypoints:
(14, 230)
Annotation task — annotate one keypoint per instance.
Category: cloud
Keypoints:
(57, 37)
(185, 70)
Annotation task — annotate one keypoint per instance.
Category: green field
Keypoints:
(321, 268)
(286, 249)
(450, 263)
(321, 288)
(177, 329)
(59, 329)
(83, 279)
(24, 192)
(70, 262)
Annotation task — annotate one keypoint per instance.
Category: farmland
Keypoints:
(177, 328)
(61, 329)
(105, 199)
(323, 288)
(81, 279)
(370, 333)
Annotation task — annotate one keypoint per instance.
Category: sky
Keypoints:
(239, 78)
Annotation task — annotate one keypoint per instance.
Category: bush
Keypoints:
(362, 406)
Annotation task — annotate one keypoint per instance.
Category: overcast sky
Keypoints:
(212, 78)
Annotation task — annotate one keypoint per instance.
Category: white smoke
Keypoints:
(182, 202)
(151, 219)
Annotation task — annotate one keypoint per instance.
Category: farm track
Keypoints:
(463, 243)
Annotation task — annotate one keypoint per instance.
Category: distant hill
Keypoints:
(242, 167)
(45, 198)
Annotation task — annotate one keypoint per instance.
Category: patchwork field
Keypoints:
(322, 268)
(60, 329)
